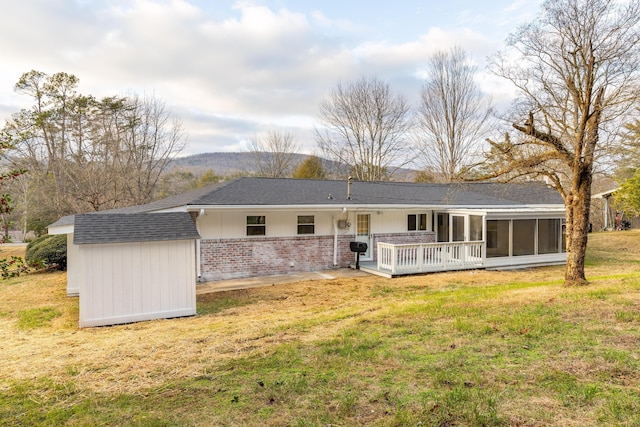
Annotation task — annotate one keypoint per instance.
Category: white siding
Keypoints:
(231, 224)
(122, 283)
(525, 261)
(73, 268)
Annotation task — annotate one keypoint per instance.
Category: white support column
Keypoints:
(606, 213)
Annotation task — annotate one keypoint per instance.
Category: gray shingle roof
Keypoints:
(134, 227)
(282, 192)
(169, 202)
(251, 191)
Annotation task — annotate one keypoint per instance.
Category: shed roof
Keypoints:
(134, 227)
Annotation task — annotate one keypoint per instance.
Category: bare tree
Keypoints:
(454, 117)
(84, 154)
(151, 139)
(365, 126)
(274, 154)
(576, 69)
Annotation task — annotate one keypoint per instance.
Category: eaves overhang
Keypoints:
(354, 207)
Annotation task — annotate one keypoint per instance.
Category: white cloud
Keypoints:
(228, 72)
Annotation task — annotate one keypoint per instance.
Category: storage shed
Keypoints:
(134, 267)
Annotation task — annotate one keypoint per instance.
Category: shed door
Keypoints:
(363, 233)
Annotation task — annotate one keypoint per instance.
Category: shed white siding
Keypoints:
(131, 282)
(73, 268)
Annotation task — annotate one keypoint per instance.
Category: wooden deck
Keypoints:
(396, 260)
(399, 260)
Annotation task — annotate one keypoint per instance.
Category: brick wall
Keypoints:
(247, 257)
(402, 238)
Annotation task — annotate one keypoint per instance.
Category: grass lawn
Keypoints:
(467, 348)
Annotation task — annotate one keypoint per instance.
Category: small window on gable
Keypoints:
(256, 225)
(306, 224)
(417, 222)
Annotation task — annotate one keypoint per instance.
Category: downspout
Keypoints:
(198, 264)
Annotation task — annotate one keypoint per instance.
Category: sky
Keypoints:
(233, 70)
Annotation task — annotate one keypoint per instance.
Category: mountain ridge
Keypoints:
(243, 163)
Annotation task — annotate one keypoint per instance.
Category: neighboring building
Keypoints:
(263, 226)
(607, 213)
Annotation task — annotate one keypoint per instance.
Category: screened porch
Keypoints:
(500, 243)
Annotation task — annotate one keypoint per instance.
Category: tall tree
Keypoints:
(627, 172)
(629, 194)
(454, 116)
(310, 168)
(86, 154)
(627, 154)
(274, 154)
(576, 70)
(364, 126)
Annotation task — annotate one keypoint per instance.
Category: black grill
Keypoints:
(358, 248)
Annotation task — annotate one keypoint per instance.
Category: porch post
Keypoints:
(606, 212)
(484, 239)
(445, 255)
(394, 259)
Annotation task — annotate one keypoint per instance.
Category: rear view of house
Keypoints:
(261, 226)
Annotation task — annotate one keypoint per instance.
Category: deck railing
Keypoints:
(425, 257)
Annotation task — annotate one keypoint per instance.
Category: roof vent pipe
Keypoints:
(349, 188)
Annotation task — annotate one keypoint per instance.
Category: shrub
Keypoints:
(49, 249)
(13, 267)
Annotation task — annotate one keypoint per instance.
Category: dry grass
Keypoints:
(463, 311)
(131, 358)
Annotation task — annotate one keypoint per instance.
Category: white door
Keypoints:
(363, 234)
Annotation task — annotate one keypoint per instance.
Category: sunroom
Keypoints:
(474, 239)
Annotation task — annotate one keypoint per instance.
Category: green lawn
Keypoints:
(466, 348)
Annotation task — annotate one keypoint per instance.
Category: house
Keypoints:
(263, 226)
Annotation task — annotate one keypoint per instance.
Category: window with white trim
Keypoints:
(417, 222)
(256, 225)
(306, 224)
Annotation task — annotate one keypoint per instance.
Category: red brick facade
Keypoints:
(247, 257)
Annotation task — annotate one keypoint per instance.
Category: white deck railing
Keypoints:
(425, 257)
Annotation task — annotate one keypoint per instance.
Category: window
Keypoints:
(475, 228)
(548, 236)
(443, 227)
(524, 232)
(256, 225)
(457, 224)
(362, 224)
(306, 224)
(417, 222)
(497, 238)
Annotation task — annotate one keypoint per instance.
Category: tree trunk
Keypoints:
(578, 205)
